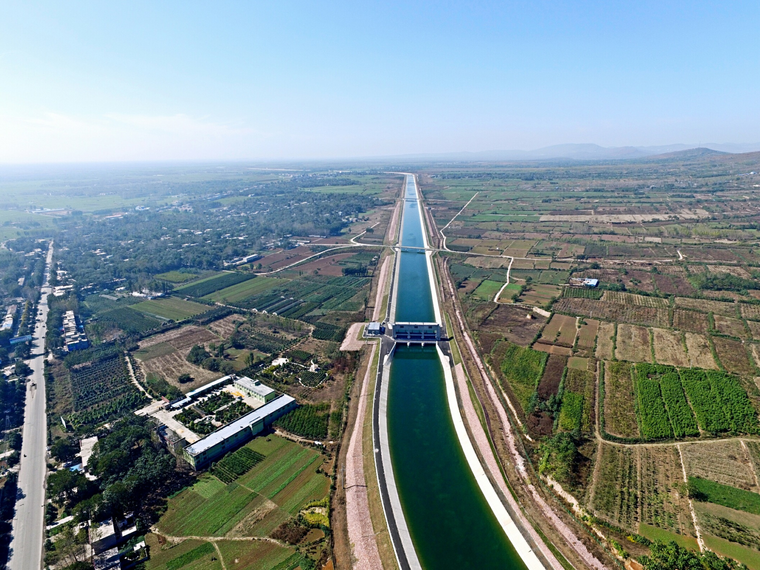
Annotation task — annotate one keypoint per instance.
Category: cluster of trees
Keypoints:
(671, 556)
(142, 244)
(131, 467)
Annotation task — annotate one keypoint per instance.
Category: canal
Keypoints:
(450, 522)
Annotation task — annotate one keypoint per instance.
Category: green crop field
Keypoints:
(170, 308)
(243, 290)
(522, 368)
(487, 289)
(731, 497)
(287, 476)
(177, 276)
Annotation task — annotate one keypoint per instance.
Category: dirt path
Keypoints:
(221, 558)
(509, 269)
(133, 377)
(361, 534)
(377, 315)
(700, 540)
(443, 244)
(393, 226)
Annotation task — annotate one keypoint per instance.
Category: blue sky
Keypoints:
(104, 81)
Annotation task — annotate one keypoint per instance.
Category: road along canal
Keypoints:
(451, 516)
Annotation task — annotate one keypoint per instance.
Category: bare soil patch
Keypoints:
(700, 353)
(552, 348)
(733, 356)
(513, 324)
(749, 311)
(587, 334)
(730, 326)
(560, 330)
(540, 423)
(633, 344)
(604, 341)
(171, 366)
(690, 321)
(549, 382)
(669, 347)
(614, 311)
(326, 265)
(754, 327)
(226, 326)
(182, 339)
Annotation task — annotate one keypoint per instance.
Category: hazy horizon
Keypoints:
(295, 81)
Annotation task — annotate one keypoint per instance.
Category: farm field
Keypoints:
(619, 415)
(560, 330)
(487, 290)
(253, 505)
(587, 334)
(604, 342)
(177, 276)
(733, 355)
(725, 462)
(614, 495)
(700, 353)
(663, 503)
(521, 369)
(730, 326)
(669, 347)
(633, 344)
(243, 290)
(170, 308)
(691, 321)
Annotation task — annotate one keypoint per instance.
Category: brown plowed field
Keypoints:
(733, 356)
(226, 326)
(587, 334)
(706, 305)
(560, 330)
(700, 354)
(673, 285)
(182, 338)
(614, 311)
(552, 376)
(669, 348)
(754, 326)
(690, 321)
(171, 366)
(730, 326)
(512, 323)
(633, 344)
(604, 341)
(552, 348)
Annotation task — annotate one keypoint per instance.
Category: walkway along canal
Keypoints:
(442, 510)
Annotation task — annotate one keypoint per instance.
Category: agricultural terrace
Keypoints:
(275, 489)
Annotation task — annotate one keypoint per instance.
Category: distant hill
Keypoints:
(582, 152)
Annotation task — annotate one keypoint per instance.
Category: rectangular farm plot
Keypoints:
(243, 290)
(707, 306)
(754, 328)
(578, 363)
(730, 326)
(619, 414)
(663, 504)
(171, 308)
(733, 355)
(699, 351)
(587, 333)
(750, 311)
(552, 376)
(540, 295)
(614, 494)
(633, 344)
(521, 368)
(653, 416)
(578, 401)
(669, 347)
(631, 299)
(604, 343)
(614, 311)
(691, 321)
(487, 290)
(560, 330)
(725, 462)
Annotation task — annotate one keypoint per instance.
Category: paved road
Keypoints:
(29, 521)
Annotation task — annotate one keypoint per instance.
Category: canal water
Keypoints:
(449, 520)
